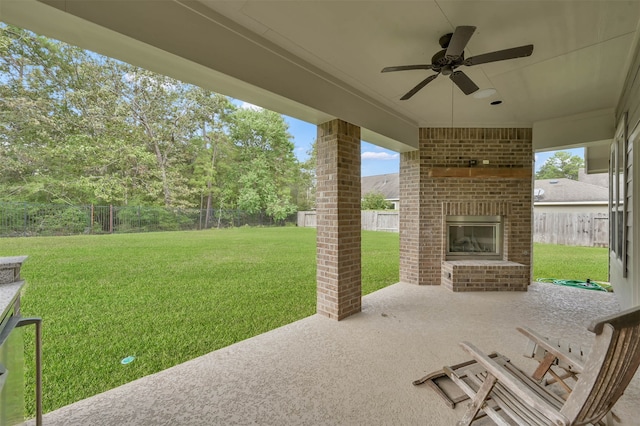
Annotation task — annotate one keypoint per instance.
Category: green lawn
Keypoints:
(166, 298)
(169, 297)
(570, 263)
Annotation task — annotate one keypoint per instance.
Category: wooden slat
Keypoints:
(479, 400)
(515, 386)
(510, 406)
(569, 358)
(616, 372)
(482, 172)
(544, 366)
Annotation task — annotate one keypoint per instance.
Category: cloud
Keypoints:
(247, 105)
(379, 156)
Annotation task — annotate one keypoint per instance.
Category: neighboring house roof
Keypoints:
(600, 179)
(590, 188)
(563, 190)
(387, 185)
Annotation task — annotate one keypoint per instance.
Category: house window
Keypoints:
(617, 194)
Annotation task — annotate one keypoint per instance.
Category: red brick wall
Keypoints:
(421, 261)
(338, 220)
(409, 224)
(485, 275)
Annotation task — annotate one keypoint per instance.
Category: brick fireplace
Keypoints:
(475, 175)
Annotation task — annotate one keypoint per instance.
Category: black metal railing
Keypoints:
(30, 219)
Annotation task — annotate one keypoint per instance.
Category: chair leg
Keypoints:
(561, 382)
(478, 401)
(543, 367)
(610, 419)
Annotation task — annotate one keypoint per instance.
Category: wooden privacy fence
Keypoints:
(565, 228)
(571, 229)
(372, 220)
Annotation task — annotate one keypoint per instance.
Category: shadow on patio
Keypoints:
(357, 371)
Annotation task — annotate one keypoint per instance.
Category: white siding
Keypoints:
(627, 288)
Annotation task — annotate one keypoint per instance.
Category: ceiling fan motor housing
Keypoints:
(445, 40)
(443, 64)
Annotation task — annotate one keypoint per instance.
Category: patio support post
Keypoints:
(338, 198)
(409, 217)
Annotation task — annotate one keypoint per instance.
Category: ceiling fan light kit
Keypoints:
(451, 57)
(484, 93)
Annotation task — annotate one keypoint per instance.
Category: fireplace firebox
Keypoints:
(474, 237)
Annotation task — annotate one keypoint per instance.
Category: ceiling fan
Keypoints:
(451, 57)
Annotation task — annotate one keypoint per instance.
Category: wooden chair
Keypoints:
(500, 389)
(558, 358)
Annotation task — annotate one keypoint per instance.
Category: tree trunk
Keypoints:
(160, 160)
(214, 154)
(163, 171)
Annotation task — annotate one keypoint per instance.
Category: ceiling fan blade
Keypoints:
(463, 82)
(407, 67)
(459, 41)
(420, 85)
(500, 55)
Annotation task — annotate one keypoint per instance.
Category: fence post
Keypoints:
(111, 218)
(25, 219)
(92, 219)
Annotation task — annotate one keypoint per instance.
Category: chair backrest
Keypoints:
(610, 366)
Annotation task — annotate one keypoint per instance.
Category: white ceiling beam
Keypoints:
(580, 130)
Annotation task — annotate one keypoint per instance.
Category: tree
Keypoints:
(375, 201)
(80, 128)
(213, 149)
(267, 165)
(63, 137)
(163, 119)
(304, 189)
(561, 165)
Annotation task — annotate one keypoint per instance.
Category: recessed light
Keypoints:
(484, 93)
(496, 102)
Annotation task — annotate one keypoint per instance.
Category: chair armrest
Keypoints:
(514, 385)
(575, 364)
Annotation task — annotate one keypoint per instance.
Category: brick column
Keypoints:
(409, 217)
(338, 220)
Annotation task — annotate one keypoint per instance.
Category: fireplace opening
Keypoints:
(474, 237)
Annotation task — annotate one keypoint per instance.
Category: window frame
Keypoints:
(617, 194)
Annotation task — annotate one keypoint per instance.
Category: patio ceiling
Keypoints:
(317, 60)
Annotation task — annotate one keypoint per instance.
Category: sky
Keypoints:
(376, 160)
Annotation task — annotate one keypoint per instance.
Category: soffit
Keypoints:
(316, 60)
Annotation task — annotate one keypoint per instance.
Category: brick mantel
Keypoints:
(481, 172)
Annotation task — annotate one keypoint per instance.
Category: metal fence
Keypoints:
(28, 219)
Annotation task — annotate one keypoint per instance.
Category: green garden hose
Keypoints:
(588, 284)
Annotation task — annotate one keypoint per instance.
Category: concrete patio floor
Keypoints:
(358, 371)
